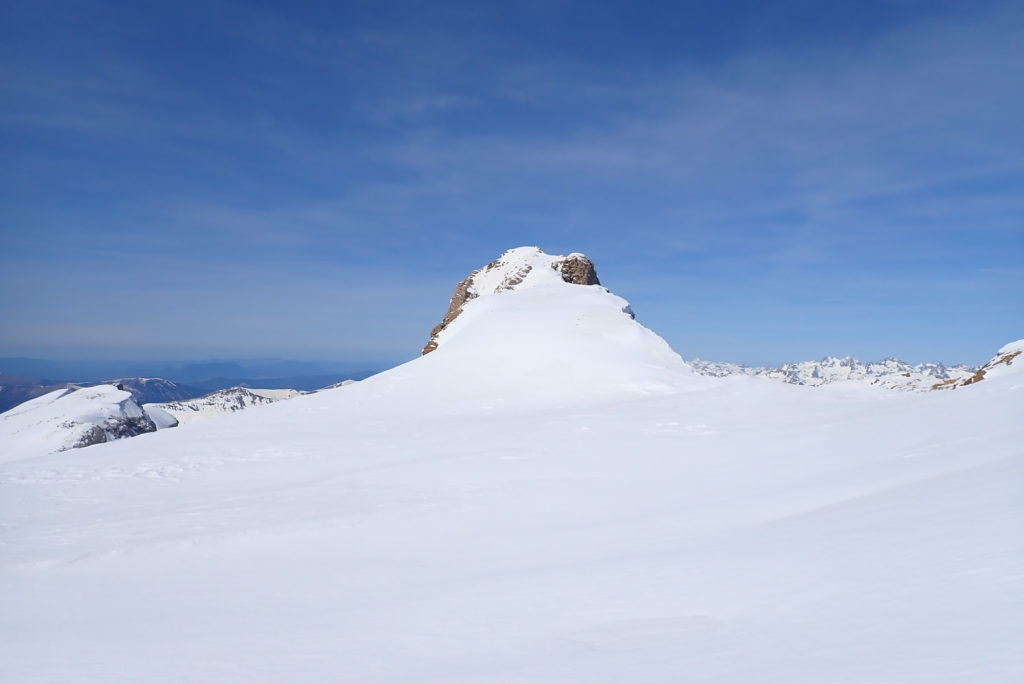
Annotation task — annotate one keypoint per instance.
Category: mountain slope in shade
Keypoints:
(70, 418)
(551, 495)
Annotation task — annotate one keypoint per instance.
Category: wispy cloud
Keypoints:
(352, 150)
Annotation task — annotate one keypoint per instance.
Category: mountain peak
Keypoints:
(515, 269)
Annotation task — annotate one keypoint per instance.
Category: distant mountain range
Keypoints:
(194, 373)
(216, 403)
(891, 373)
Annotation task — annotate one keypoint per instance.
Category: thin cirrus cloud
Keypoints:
(799, 176)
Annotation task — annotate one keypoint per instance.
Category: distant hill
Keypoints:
(17, 389)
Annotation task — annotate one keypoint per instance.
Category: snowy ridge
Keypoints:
(220, 403)
(70, 418)
(889, 373)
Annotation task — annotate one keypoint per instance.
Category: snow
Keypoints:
(277, 394)
(529, 265)
(61, 419)
(161, 418)
(550, 496)
(1017, 346)
(216, 404)
(1008, 363)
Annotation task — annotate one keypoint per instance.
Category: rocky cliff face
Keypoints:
(507, 272)
(459, 297)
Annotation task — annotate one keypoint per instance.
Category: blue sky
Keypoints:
(764, 181)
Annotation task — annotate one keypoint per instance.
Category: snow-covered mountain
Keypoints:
(889, 373)
(550, 495)
(69, 418)
(512, 271)
(218, 403)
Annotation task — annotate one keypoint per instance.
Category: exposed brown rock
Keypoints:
(579, 270)
(459, 297)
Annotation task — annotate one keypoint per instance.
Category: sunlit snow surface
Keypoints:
(551, 496)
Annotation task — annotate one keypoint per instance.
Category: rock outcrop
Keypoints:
(116, 428)
(506, 273)
(459, 297)
(1001, 362)
(578, 270)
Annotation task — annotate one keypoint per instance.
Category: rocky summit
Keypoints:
(508, 272)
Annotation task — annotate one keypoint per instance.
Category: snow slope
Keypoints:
(68, 418)
(549, 496)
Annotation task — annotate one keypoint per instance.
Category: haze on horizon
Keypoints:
(764, 182)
